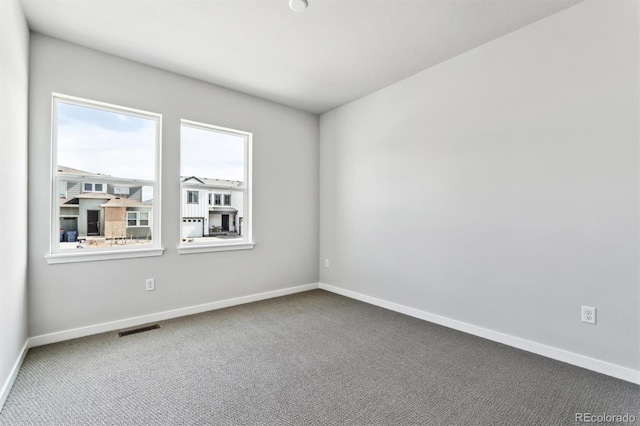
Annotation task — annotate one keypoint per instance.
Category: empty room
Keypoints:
(319, 212)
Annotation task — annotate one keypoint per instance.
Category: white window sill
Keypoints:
(92, 256)
(205, 248)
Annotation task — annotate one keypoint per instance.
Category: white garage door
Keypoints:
(193, 227)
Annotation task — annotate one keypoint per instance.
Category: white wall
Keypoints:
(14, 78)
(514, 168)
(65, 296)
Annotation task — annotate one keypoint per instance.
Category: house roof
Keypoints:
(95, 196)
(124, 202)
(72, 171)
(210, 181)
(69, 202)
(223, 210)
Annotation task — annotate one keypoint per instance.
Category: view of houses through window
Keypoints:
(213, 183)
(105, 179)
(105, 175)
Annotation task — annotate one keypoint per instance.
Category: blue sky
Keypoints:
(105, 142)
(123, 146)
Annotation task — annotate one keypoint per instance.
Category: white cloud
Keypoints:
(211, 154)
(91, 147)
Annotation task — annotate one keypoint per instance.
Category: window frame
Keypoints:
(189, 196)
(247, 235)
(138, 219)
(93, 188)
(217, 199)
(66, 188)
(226, 197)
(56, 254)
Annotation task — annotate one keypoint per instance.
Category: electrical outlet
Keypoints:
(150, 284)
(589, 314)
(326, 263)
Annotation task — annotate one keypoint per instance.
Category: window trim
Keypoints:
(56, 255)
(247, 241)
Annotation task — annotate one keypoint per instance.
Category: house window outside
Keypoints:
(105, 162)
(143, 218)
(192, 197)
(216, 160)
(210, 198)
(62, 189)
(137, 219)
(132, 218)
(93, 187)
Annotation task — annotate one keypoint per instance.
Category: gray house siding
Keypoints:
(73, 189)
(135, 192)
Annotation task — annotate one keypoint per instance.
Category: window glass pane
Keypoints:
(132, 218)
(213, 161)
(107, 157)
(62, 189)
(105, 142)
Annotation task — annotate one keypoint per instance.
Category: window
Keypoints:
(217, 160)
(137, 219)
(143, 218)
(62, 189)
(210, 198)
(132, 218)
(106, 176)
(192, 197)
(93, 187)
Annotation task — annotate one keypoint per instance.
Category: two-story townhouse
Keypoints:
(98, 205)
(211, 207)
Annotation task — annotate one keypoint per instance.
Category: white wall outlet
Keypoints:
(326, 263)
(150, 284)
(589, 314)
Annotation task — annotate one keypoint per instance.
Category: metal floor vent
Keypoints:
(138, 330)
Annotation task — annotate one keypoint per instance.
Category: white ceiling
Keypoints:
(332, 53)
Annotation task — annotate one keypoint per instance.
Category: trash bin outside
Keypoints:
(72, 236)
(62, 235)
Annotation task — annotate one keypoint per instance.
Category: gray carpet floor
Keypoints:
(306, 359)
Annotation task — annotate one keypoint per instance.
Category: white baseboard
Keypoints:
(593, 364)
(6, 387)
(60, 336)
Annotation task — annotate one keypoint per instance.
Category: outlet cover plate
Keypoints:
(588, 314)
